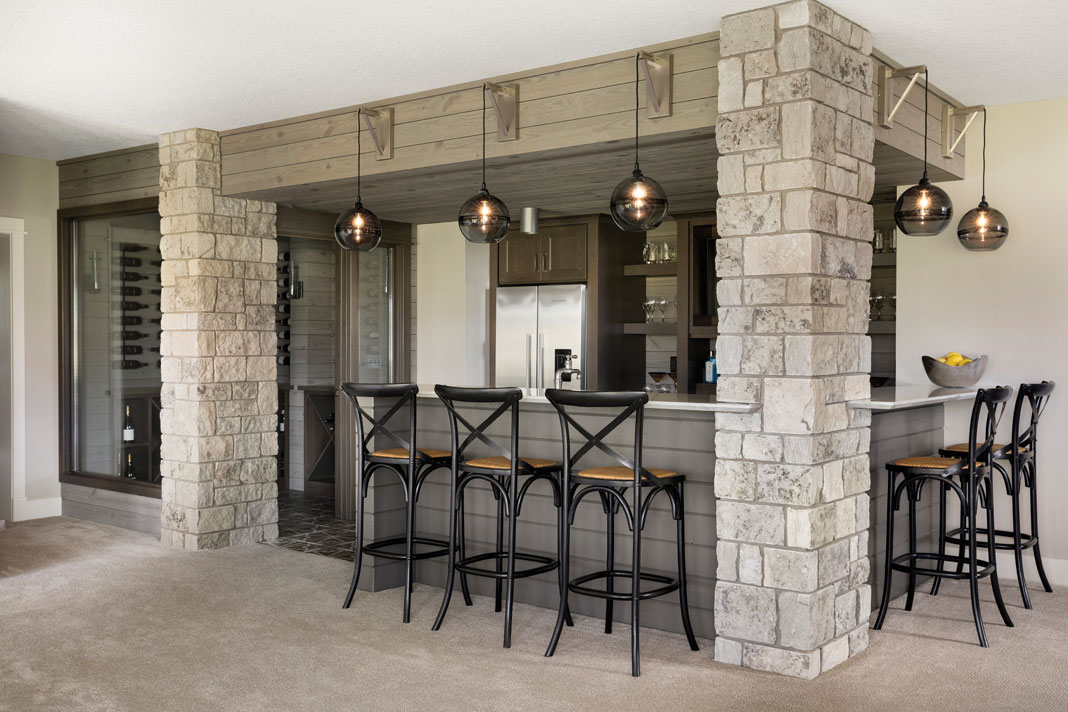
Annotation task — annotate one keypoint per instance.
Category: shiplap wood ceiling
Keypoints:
(96, 75)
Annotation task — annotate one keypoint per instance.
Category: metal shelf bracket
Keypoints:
(950, 114)
(379, 123)
(657, 72)
(505, 101)
(887, 107)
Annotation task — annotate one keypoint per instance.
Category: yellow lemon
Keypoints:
(941, 360)
(953, 354)
(967, 360)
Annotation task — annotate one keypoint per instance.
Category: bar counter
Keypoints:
(679, 435)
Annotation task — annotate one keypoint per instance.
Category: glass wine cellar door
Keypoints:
(376, 336)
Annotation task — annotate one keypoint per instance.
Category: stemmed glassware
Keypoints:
(878, 300)
(657, 377)
(661, 306)
(649, 305)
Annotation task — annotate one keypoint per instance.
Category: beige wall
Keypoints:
(1011, 304)
(452, 287)
(29, 189)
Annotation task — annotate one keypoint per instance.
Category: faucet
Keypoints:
(567, 369)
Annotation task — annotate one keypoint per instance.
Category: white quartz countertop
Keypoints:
(657, 401)
(907, 395)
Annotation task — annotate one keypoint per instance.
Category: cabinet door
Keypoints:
(519, 259)
(563, 253)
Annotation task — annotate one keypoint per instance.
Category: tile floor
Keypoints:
(306, 522)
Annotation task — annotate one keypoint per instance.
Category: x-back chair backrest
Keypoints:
(368, 426)
(991, 403)
(627, 403)
(507, 401)
(1037, 396)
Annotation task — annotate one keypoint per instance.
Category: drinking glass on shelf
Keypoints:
(657, 377)
(878, 300)
(674, 382)
(661, 306)
(647, 253)
(667, 252)
(878, 242)
(649, 305)
(672, 305)
(893, 305)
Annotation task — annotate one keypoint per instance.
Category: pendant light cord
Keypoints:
(483, 137)
(359, 116)
(637, 59)
(984, 155)
(926, 89)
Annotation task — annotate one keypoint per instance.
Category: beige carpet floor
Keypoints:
(98, 618)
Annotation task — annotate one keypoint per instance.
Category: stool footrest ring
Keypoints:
(466, 565)
(576, 585)
(984, 568)
(958, 536)
(377, 548)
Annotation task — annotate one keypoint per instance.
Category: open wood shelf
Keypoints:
(650, 328)
(667, 269)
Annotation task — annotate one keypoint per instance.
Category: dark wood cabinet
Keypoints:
(557, 254)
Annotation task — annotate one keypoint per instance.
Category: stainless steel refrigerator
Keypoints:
(537, 327)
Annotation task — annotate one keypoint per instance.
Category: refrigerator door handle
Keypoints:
(529, 339)
(541, 360)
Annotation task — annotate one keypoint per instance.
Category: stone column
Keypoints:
(795, 137)
(218, 343)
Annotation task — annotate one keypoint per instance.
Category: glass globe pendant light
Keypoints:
(358, 228)
(484, 217)
(924, 209)
(638, 202)
(983, 229)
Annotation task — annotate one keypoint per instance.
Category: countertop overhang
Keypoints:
(907, 396)
(657, 401)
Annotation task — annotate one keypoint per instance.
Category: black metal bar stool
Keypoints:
(970, 479)
(410, 464)
(509, 477)
(1021, 454)
(611, 484)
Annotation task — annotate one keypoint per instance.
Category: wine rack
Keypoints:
(282, 312)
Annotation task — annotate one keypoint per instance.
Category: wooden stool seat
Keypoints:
(928, 462)
(620, 473)
(401, 453)
(500, 462)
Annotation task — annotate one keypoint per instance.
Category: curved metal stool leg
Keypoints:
(450, 575)
(910, 494)
(889, 572)
(940, 565)
(610, 507)
(1034, 528)
(358, 561)
(684, 604)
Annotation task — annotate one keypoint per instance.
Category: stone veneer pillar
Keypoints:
(218, 343)
(795, 175)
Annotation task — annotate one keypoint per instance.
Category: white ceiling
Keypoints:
(83, 76)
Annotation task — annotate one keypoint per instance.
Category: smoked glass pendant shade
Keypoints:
(484, 218)
(924, 209)
(983, 228)
(358, 229)
(638, 203)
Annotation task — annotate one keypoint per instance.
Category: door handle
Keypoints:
(529, 339)
(536, 262)
(541, 361)
(544, 261)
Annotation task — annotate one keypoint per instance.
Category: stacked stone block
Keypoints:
(794, 258)
(218, 343)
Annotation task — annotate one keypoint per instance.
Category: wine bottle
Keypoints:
(128, 428)
(129, 364)
(283, 282)
(132, 306)
(157, 292)
(284, 269)
(283, 257)
(154, 349)
(157, 320)
(281, 420)
(284, 348)
(131, 247)
(283, 359)
(127, 261)
(129, 320)
(128, 276)
(132, 349)
(131, 335)
(283, 333)
(282, 322)
(283, 308)
(156, 263)
(127, 291)
(131, 473)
